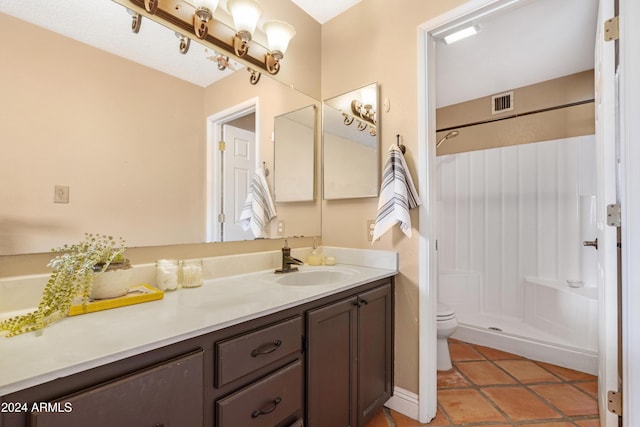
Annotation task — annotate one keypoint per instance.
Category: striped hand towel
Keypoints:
(397, 196)
(258, 209)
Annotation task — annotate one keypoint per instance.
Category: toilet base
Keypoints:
(443, 357)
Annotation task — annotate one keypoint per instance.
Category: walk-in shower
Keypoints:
(511, 260)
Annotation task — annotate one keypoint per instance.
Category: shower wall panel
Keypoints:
(515, 212)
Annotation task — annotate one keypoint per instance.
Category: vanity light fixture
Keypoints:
(151, 6)
(245, 15)
(211, 25)
(279, 34)
(202, 15)
(461, 34)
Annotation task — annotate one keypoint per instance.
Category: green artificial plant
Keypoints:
(73, 273)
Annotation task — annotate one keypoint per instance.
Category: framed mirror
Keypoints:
(350, 146)
(127, 145)
(294, 155)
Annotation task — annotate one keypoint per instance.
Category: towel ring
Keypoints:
(403, 149)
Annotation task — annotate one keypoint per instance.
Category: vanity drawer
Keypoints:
(273, 401)
(241, 355)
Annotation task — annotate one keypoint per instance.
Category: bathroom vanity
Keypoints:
(239, 351)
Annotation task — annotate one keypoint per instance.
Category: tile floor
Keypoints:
(488, 387)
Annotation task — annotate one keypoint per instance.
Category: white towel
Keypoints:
(258, 209)
(397, 196)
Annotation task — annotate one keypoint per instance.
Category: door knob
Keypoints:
(593, 243)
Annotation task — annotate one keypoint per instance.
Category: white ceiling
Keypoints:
(539, 40)
(323, 10)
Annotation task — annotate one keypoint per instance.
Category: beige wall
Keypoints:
(555, 109)
(121, 136)
(376, 40)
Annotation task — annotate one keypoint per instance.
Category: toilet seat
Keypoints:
(445, 312)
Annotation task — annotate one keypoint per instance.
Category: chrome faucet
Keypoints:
(288, 260)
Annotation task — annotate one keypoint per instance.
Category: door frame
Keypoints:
(629, 83)
(214, 160)
(629, 131)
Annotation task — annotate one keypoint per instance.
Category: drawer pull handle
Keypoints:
(360, 302)
(267, 410)
(266, 349)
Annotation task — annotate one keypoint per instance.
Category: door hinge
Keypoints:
(221, 145)
(221, 218)
(611, 29)
(614, 402)
(614, 215)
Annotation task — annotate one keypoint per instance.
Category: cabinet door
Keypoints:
(331, 365)
(375, 351)
(168, 395)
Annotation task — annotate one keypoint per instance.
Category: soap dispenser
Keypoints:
(315, 258)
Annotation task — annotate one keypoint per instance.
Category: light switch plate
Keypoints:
(61, 194)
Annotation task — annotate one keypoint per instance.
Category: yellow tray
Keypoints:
(136, 295)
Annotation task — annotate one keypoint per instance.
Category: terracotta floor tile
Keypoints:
(589, 423)
(567, 398)
(404, 421)
(484, 373)
(461, 351)
(567, 374)
(553, 424)
(526, 371)
(378, 420)
(451, 378)
(493, 354)
(589, 387)
(520, 404)
(468, 405)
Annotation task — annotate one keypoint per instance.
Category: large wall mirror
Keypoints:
(93, 142)
(350, 144)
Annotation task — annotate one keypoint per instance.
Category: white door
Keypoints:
(606, 134)
(238, 162)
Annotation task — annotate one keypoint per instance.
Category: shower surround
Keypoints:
(511, 260)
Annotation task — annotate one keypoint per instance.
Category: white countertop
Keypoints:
(75, 344)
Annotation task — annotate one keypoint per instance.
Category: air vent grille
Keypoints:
(501, 103)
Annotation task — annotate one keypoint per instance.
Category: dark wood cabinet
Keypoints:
(170, 394)
(323, 363)
(350, 359)
(272, 401)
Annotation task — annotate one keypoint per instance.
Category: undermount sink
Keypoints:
(320, 276)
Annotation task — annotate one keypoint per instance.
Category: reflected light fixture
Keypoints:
(177, 14)
(363, 111)
(461, 34)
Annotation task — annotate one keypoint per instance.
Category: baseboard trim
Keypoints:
(404, 402)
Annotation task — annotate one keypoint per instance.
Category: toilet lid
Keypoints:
(444, 311)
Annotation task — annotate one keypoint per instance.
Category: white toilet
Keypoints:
(447, 324)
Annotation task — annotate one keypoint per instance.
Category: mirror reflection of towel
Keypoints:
(397, 196)
(258, 209)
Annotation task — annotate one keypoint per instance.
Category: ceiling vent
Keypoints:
(502, 102)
